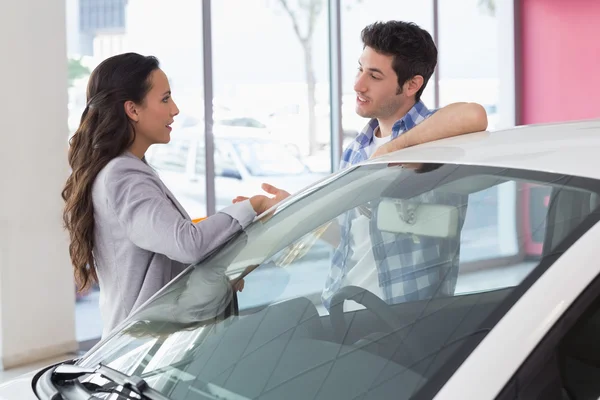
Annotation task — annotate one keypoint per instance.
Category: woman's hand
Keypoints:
(239, 285)
(262, 203)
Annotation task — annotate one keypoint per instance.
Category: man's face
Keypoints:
(377, 92)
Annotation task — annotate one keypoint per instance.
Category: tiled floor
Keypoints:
(88, 326)
(16, 372)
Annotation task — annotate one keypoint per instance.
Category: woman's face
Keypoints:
(154, 117)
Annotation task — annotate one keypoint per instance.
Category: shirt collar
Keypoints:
(414, 116)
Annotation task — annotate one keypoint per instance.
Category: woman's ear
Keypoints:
(131, 110)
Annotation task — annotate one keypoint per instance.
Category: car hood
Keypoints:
(18, 388)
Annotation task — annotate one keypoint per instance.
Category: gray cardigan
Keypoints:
(143, 238)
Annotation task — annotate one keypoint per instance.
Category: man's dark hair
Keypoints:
(412, 47)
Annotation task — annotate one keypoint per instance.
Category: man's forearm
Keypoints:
(453, 120)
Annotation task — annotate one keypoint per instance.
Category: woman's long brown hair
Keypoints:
(104, 133)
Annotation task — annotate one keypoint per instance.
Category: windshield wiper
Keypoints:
(67, 372)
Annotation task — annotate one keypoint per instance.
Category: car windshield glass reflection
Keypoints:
(378, 284)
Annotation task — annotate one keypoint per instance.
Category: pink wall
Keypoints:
(560, 60)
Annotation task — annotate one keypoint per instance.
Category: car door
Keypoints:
(230, 180)
(566, 363)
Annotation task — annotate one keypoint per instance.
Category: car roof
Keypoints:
(571, 148)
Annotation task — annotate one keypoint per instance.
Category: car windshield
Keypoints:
(263, 158)
(377, 283)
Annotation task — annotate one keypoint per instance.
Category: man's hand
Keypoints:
(262, 203)
(384, 149)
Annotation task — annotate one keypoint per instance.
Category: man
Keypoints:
(397, 61)
(396, 64)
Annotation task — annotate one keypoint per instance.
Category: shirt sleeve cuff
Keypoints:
(242, 212)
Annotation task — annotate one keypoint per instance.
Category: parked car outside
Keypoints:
(243, 161)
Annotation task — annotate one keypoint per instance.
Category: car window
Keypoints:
(566, 363)
(377, 283)
(224, 164)
(578, 356)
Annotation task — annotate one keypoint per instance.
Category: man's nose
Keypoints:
(359, 84)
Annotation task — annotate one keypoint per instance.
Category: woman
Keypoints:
(127, 230)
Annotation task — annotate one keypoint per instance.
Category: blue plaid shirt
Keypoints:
(409, 268)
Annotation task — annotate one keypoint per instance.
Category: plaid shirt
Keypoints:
(409, 267)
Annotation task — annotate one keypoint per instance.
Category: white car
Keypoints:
(470, 270)
(243, 159)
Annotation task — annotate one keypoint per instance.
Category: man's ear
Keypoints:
(131, 110)
(413, 85)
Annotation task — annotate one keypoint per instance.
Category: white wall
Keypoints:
(37, 307)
